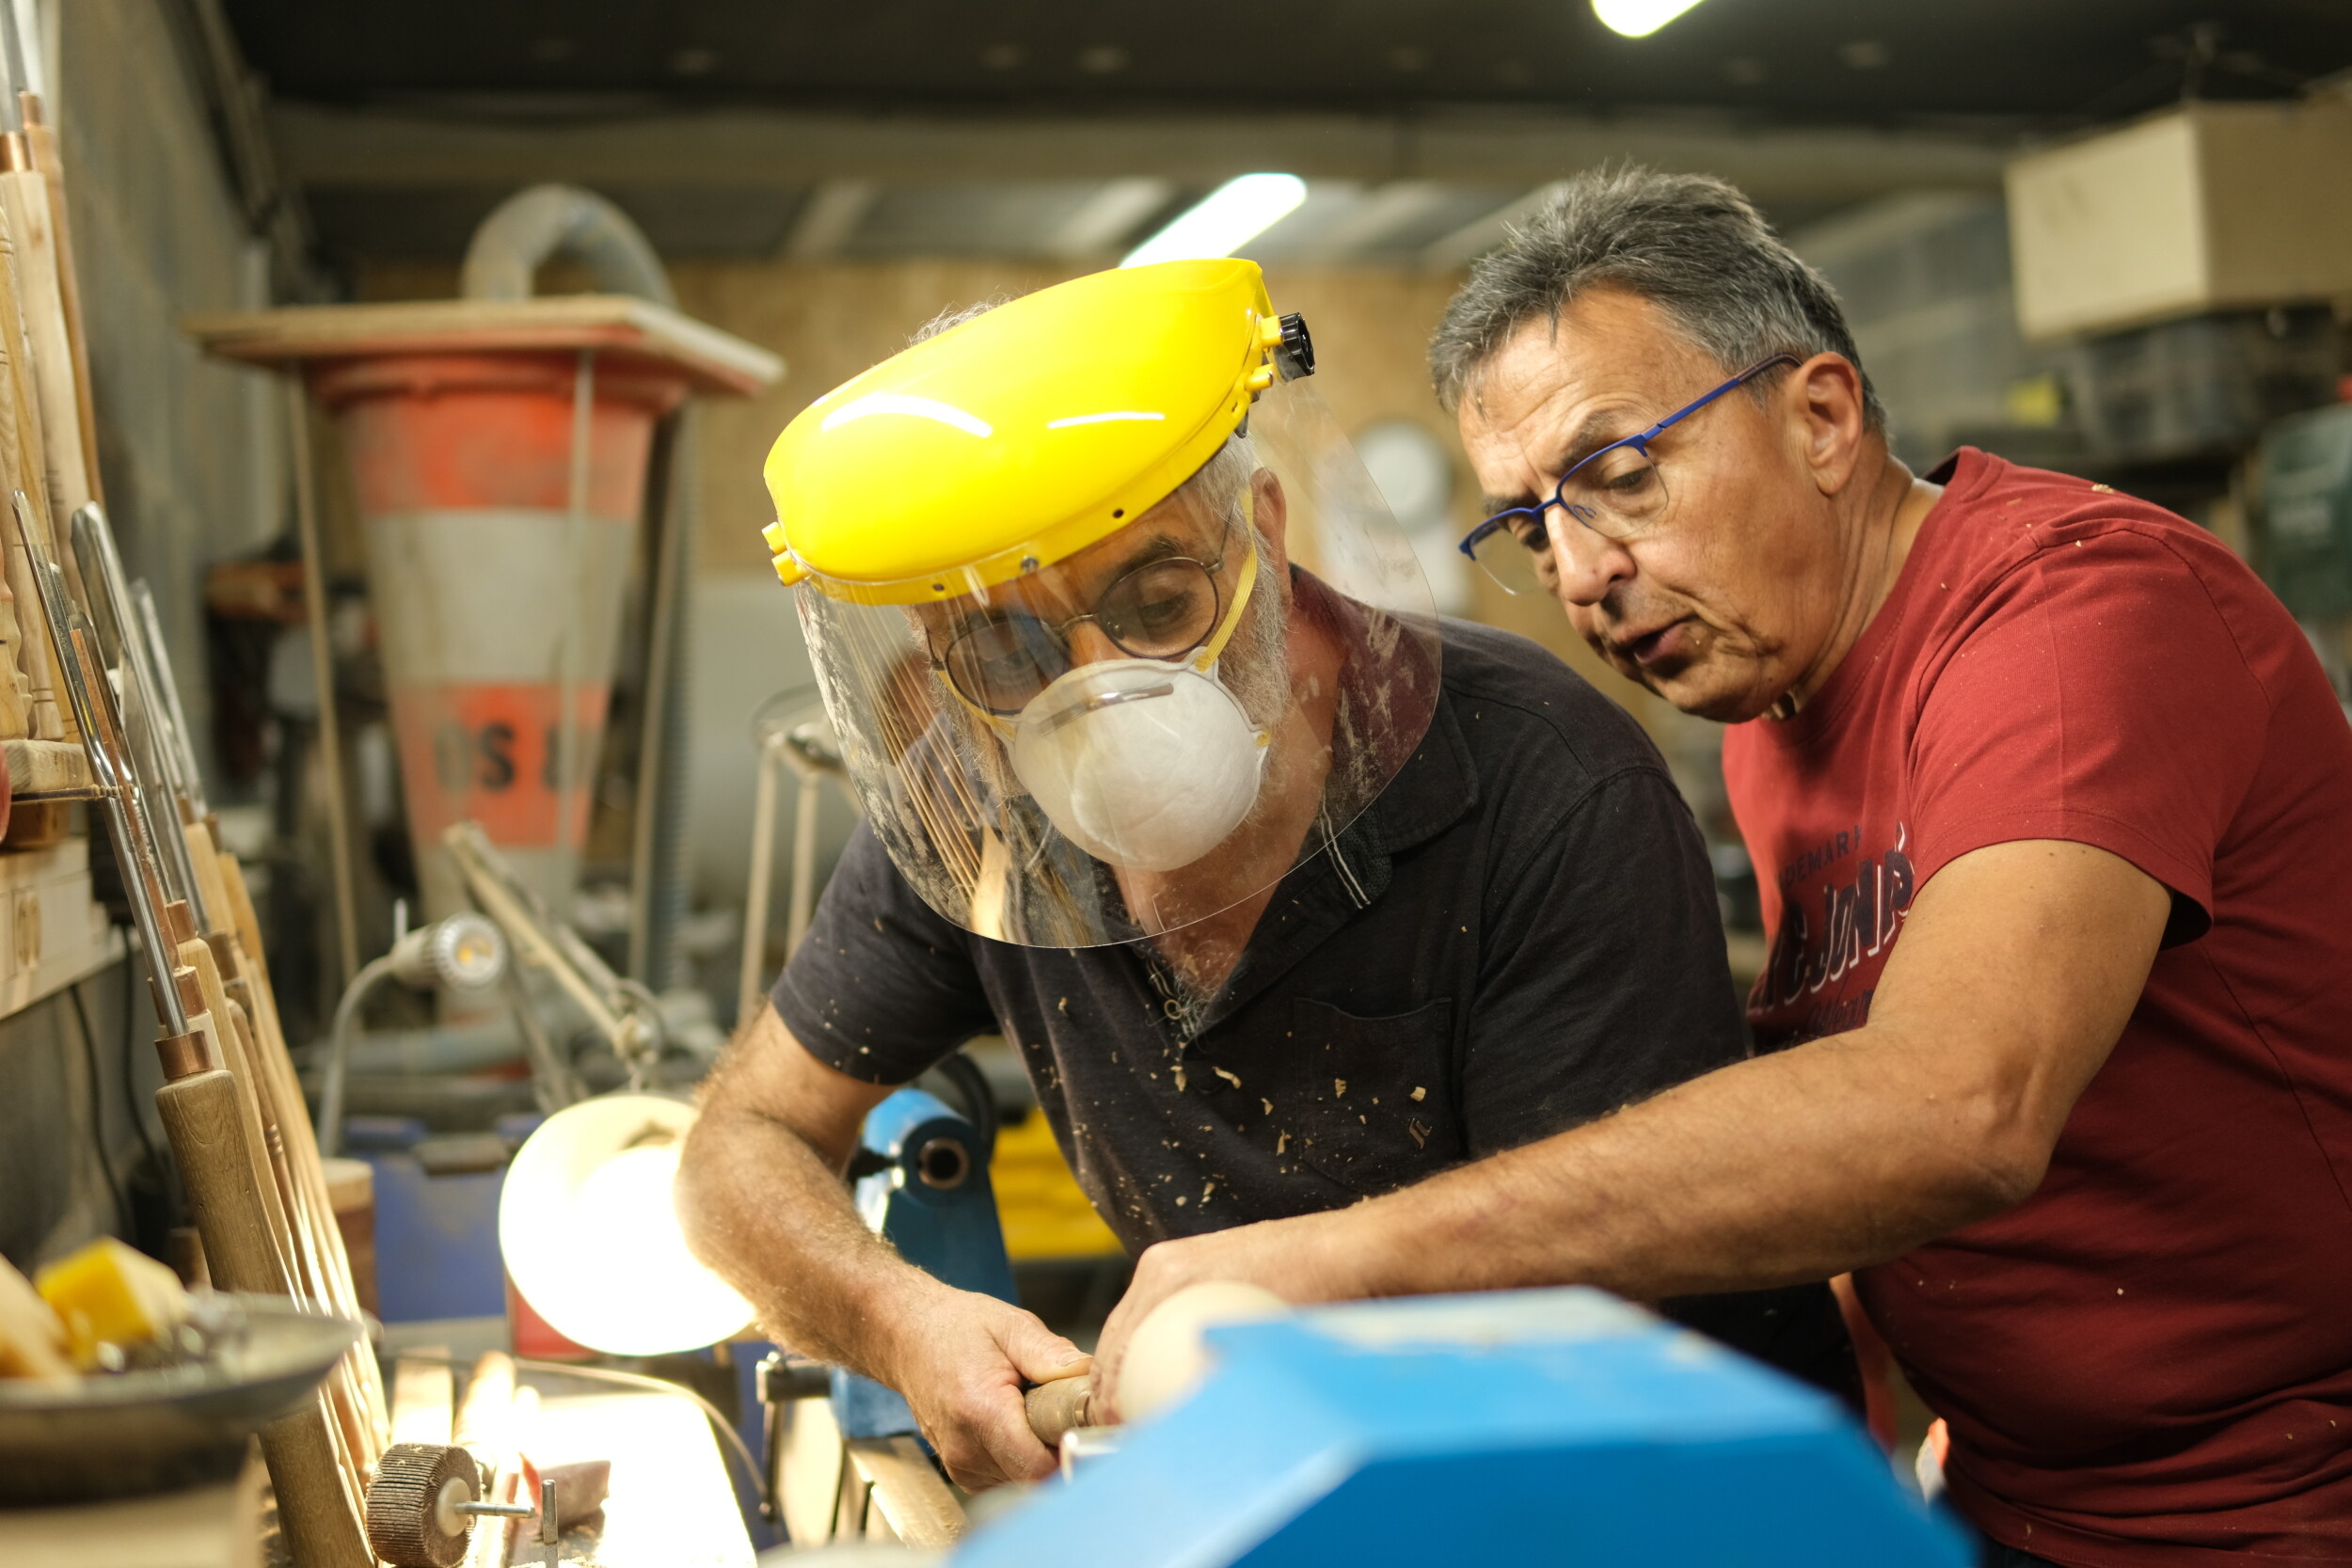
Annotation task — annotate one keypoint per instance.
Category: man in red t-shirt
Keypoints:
(2052, 807)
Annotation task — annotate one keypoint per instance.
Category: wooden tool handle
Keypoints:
(49, 162)
(294, 1117)
(22, 467)
(314, 1507)
(206, 1125)
(40, 298)
(1055, 1407)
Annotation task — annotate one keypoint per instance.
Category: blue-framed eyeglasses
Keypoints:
(1617, 492)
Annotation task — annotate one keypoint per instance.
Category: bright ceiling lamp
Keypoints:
(1639, 19)
(1227, 218)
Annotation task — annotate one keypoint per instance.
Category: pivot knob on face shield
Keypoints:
(1296, 357)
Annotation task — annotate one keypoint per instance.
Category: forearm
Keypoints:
(765, 1210)
(1834, 1155)
(2019, 966)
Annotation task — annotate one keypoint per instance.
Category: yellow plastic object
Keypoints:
(32, 1339)
(110, 1293)
(1045, 1214)
(1023, 436)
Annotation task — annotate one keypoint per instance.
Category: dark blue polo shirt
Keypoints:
(1520, 935)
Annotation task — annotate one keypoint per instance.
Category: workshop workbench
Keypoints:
(672, 1504)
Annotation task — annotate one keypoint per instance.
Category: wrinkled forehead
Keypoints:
(1607, 358)
(1186, 523)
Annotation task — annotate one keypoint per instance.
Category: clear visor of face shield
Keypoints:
(1159, 727)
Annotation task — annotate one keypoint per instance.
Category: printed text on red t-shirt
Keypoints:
(1830, 929)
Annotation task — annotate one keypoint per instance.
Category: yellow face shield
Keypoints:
(1114, 628)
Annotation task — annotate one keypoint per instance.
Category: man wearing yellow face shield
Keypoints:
(1288, 892)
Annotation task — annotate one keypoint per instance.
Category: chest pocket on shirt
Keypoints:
(1378, 1111)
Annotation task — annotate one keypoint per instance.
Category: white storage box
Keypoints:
(2208, 207)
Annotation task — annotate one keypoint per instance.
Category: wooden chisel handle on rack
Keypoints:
(203, 928)
(32, 224)
(207, 1027)
(297, 1235)
(49, 162)
(207, 1128)
(244, 980)
(214, 1127)
(212, 1022)
(50, 716)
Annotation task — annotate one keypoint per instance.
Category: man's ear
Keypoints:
(1271, 514)
(1825, 395)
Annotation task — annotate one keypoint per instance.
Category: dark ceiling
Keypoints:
(1070, 128)
(2033, 63)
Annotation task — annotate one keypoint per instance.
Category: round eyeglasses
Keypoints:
(1617, 492)
(1162, 609)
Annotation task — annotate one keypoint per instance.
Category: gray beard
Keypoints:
(1255, 665)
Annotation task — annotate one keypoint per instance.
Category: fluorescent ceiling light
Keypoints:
(1639, 19)
(1227, 218)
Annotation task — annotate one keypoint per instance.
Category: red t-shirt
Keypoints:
(2150, 1360)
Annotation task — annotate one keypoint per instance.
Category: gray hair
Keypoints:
(1215, 486)
(1689, 243)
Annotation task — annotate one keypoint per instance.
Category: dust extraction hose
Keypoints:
(526, 231)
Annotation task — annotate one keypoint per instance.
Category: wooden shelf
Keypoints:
(612, 324)
(48, 770)
(52, 932)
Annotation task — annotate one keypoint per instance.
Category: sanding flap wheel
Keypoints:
(413, 1520)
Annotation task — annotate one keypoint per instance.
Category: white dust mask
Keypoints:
(1143, 764)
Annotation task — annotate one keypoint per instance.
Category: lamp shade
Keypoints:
(591, 1238)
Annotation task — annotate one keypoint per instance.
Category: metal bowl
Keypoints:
(117, 1433)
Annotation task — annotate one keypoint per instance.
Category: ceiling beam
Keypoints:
(1108, 216)
(1477, 237)
(828, 219)
(1395, 206)
(324, 148)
